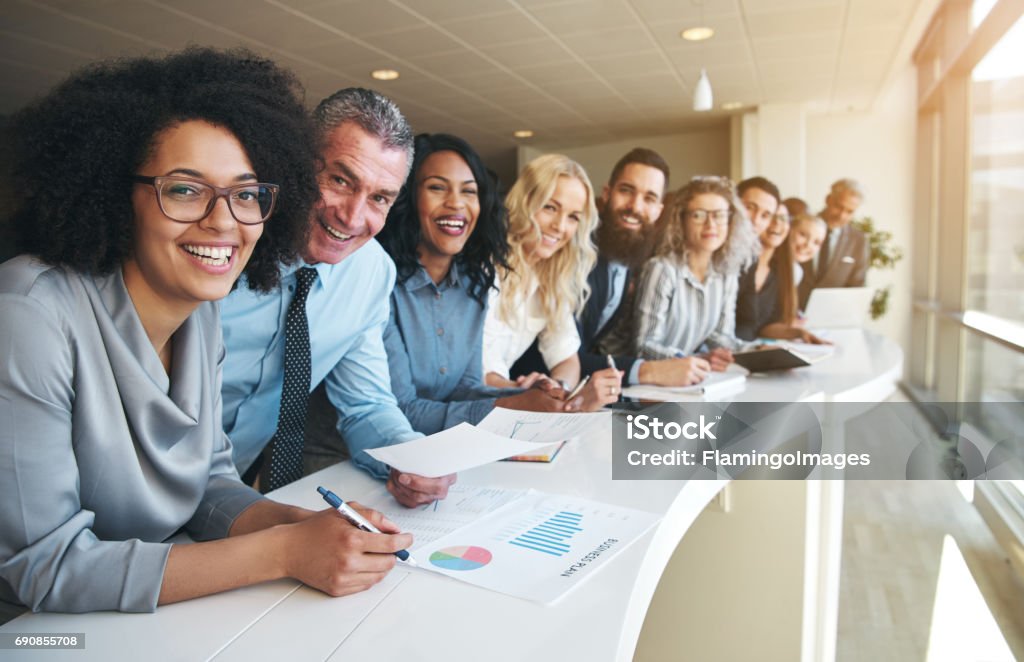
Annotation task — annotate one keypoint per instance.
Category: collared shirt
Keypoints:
(434, 342)
(675, 314)
(103, 454)
(347, 308)
(617, 273)
(831, 239)
(505, 341)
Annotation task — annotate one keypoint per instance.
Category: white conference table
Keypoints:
(415, 615)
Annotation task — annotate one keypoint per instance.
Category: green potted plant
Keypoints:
(883, 254)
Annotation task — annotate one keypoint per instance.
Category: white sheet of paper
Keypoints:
(538, 547)
(542, 426)
(465, 504)
(450, 451)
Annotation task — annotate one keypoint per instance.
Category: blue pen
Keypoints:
(358, 520)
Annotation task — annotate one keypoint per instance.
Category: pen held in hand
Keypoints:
(579, 388)
(358, 520)
(611, 363)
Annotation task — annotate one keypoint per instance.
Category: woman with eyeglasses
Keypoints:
(145, 187)
(447, 235)
(686, 296)
(552, 218)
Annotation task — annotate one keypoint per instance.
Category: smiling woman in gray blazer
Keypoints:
(144, 187)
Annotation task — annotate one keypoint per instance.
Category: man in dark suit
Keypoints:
(843, 259)
(629, 205)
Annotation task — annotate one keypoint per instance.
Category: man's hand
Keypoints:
(603, 388)
(411, 490)
(326, 552)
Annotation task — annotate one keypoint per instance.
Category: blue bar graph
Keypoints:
(551, 535)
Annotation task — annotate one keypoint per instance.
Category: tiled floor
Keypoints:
(893, 542)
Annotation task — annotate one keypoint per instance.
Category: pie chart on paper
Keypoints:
(461, 558)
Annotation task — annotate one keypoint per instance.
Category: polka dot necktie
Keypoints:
(285, 463)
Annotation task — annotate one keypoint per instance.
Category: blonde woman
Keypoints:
(552, 218)
(686, 298)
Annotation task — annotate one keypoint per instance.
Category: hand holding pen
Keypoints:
(599, 388)
(325, 552)
(359, 521)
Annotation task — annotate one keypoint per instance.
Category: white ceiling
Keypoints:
(574, 71)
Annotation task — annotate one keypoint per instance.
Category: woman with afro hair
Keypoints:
(144, 189)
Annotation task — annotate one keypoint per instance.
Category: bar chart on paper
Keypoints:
(551, 536)
(538, 547)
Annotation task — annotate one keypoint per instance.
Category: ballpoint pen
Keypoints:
(611, 363)
(358, 521)
(579, 387)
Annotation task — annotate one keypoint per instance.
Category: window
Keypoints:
(995, 262)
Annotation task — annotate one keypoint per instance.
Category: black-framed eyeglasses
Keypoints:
(702, 216)
(188, 200)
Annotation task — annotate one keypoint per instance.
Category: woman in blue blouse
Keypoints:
(446, 233)
(145, 188)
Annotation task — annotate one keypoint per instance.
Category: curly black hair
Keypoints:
(486, 248)
(76, 149)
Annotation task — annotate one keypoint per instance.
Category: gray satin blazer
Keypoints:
(102, 456)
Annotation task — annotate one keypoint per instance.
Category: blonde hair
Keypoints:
(741, 247)
(800, 219)
(562, 278)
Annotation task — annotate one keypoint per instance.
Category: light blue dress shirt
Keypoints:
(348, 311)
(434, 342)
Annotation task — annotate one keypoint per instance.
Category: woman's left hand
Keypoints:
(809, 337)
(719, 358)
(604, 388)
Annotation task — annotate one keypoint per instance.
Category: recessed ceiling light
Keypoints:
(384, 74)
(523, 133)
(697, 34)
(732, 105)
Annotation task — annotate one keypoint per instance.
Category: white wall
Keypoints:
(687, 154)
(877, 148)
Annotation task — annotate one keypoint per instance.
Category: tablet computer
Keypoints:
(771, 358)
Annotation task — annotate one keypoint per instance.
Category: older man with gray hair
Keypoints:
(843, 259)
(326, 322)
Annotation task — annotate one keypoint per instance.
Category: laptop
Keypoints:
(838, 307)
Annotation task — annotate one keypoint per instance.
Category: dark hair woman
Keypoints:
(145, 188)
(447, 234)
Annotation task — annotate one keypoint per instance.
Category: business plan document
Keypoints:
(538, 547)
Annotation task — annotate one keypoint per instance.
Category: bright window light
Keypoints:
(979, 10)
(1006, 59)
(962, 625)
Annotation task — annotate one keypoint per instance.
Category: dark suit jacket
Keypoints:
(847, 265)
(587, 326)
